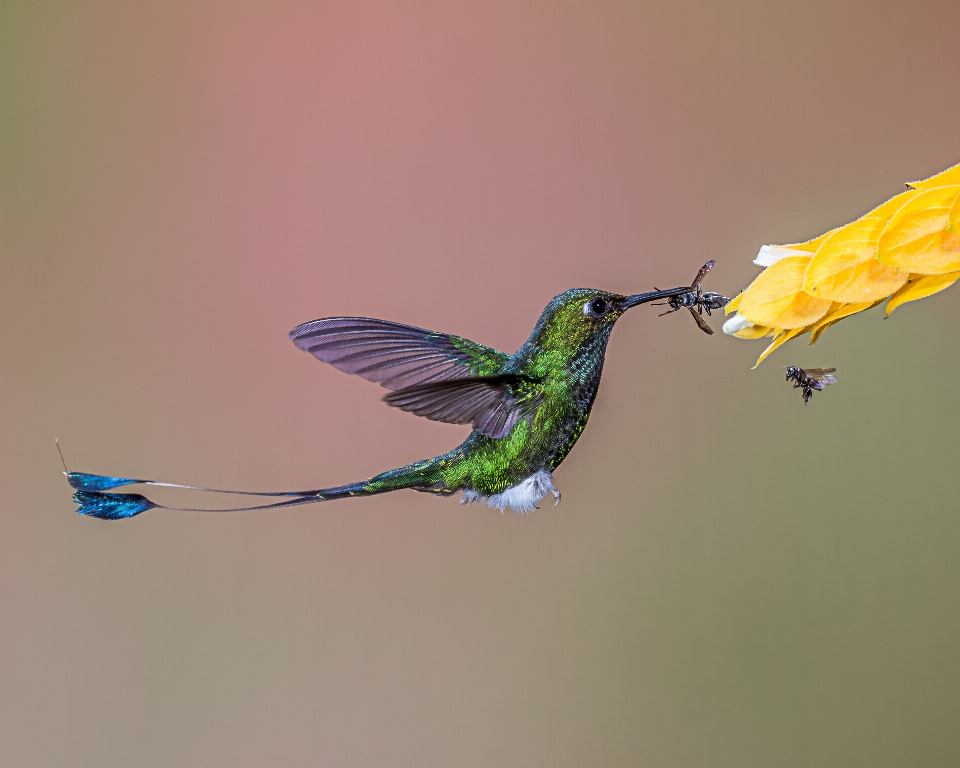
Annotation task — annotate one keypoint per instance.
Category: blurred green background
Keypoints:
(731, 580)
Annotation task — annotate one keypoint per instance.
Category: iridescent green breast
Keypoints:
(566, 391)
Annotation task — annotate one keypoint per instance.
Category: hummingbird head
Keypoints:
(582, 315)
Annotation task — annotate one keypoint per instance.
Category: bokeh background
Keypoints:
(731, 580)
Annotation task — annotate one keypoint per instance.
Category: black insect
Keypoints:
(698, 299)
(810, 379)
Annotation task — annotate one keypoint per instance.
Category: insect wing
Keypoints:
(701, 322)
(702, 273)
(821, 376)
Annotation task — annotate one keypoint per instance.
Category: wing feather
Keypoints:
(394, 355)
(492, 404)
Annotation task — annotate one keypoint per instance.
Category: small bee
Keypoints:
(697, 298)
(810, 379)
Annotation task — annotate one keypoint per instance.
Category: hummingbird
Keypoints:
(527, 409)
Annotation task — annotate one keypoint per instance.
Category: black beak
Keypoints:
(643, 298)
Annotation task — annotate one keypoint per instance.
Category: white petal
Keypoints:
(771, 254)
(736, 323)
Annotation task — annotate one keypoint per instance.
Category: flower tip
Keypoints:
(771, 254)
(735, 324)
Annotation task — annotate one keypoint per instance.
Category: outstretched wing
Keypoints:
(395, 355)
(821, 376)
(492, 404)
(702, 273)
(701, 323)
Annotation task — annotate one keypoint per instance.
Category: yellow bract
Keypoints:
(845, 267)
(921, 286)
(776, 298)
(837, 312)
(734, 304)
(942, 179)
(810, 245)
(782, 338)
(918, 238)
(753, 332)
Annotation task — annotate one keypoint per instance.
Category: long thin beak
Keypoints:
(643, 298)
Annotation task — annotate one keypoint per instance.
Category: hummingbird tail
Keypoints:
(93, 499)
(83, 481)
(117, 506)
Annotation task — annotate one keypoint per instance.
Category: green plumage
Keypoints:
(563, 361)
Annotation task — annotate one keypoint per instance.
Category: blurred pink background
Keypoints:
(731, 579)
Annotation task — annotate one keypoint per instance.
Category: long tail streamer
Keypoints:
(93, 500)
(83, 481)
(117, 506)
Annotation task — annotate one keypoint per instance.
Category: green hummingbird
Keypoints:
(527, 409)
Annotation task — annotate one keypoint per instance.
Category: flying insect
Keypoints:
(810, 379)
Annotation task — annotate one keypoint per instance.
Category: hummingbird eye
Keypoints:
(595, 307)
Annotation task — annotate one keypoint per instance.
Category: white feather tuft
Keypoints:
(522, 497)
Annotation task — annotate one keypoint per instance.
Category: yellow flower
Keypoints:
(776, 298)
(919, 237)
(845, 267)
(905, 249)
